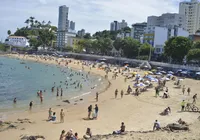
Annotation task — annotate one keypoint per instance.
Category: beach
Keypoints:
(137, 112)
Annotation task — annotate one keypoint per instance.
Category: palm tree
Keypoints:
(49, 23)
(43, 22)
(32, 21)
(9, 32)
(27, 22)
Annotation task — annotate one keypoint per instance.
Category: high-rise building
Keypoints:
(167, 20)
(63, 22)
(138, 30)
(64, 27)
(191, 10)
(81, 33)
(115, 25)
(123, 24)
(72, 25)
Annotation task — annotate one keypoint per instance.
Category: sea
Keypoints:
(22, 80)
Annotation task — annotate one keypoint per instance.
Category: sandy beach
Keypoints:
(137, 112)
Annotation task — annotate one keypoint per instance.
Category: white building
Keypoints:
(157, 36)
(191, 10)
(17, 41)
(63, 22)
(123, 35)
(167, 20)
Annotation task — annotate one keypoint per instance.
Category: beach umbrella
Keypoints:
(149, 72)
(163, 72)
(154, 80)
(170, 72)
(134, 73)
(139, 85)
(184, 72)
(158, 73)
(159, 68)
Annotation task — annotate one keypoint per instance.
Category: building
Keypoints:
(64, 36)
(191, 10)
(17, 41)
(195, 37)
(122, 24)
(157, 36)
(72, 25)
(123, 35)
(81, 33)
(63, 22)
(72, 41)
(115, 25)
(138, 30)
(167, 20)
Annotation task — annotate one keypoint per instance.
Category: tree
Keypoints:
(130, 47)
(87, 36)
(145, 49)
(118, 43)
(193, 54)
(9, 32)
(177, 48)
(196, 45)
(27, 22)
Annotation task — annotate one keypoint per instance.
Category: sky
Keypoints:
(91, 15)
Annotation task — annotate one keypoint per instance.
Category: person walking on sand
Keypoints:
(62, 115)
(188, 91)
(30, 105)
(122, 93)
(183, 89)
(116, 92)
(194, 99)
(183, 105)
(97, 96)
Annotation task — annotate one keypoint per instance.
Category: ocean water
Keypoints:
(22, 81)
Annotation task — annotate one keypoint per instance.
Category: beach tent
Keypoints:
(145, 65)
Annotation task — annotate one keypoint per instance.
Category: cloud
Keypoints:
(92, 15)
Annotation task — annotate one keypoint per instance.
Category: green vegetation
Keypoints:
(3, 47)
(39, 33)
(177, 48)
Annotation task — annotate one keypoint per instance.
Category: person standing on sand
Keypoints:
(183, 105)
(30, 105)
(97, 96)
(194, 99)
(89, 111)
(61, 92)
(188, 91)
(96, 110)
(183, 89)
(62, 135)
(116, 92)
(62, 115)
(57, 92)
(122, 93)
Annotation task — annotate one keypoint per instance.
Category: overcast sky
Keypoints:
(92, 15)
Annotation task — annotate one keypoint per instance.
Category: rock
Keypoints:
(12, 126)
(177, 127)
(32, 137)
(81, 99)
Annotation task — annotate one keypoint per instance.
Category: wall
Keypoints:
(183, 33)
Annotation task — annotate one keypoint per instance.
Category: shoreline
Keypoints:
(60, 103)
(137, 112)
